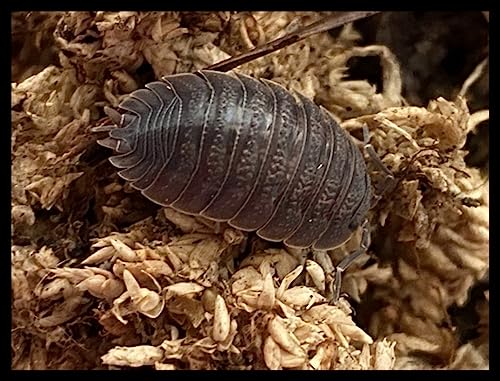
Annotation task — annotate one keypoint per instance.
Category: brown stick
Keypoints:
(327, 23)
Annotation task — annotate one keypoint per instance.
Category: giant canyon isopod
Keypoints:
(233, 148)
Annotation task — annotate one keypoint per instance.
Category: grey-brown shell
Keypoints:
(233, 148)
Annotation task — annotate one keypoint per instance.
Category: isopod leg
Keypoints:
(389, 180)
(347, 261)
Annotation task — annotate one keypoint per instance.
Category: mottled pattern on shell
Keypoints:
(246, 151)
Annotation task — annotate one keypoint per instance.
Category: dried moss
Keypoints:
(103, 278)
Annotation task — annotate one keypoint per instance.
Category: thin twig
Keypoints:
(327, 23)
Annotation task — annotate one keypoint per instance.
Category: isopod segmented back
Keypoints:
(233, 148)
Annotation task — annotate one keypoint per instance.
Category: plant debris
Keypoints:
(102, 278)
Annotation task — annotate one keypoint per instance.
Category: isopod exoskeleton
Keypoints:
(247, 151)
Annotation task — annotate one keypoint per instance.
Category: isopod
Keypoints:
(246, 151)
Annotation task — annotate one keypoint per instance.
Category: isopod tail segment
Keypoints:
(347, 261)
(118, 145)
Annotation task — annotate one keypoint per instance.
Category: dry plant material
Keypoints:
(102, 279)
(329, 22)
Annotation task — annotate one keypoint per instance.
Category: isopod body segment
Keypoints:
(247, 151)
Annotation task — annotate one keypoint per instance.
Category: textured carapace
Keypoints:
(233, 148)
